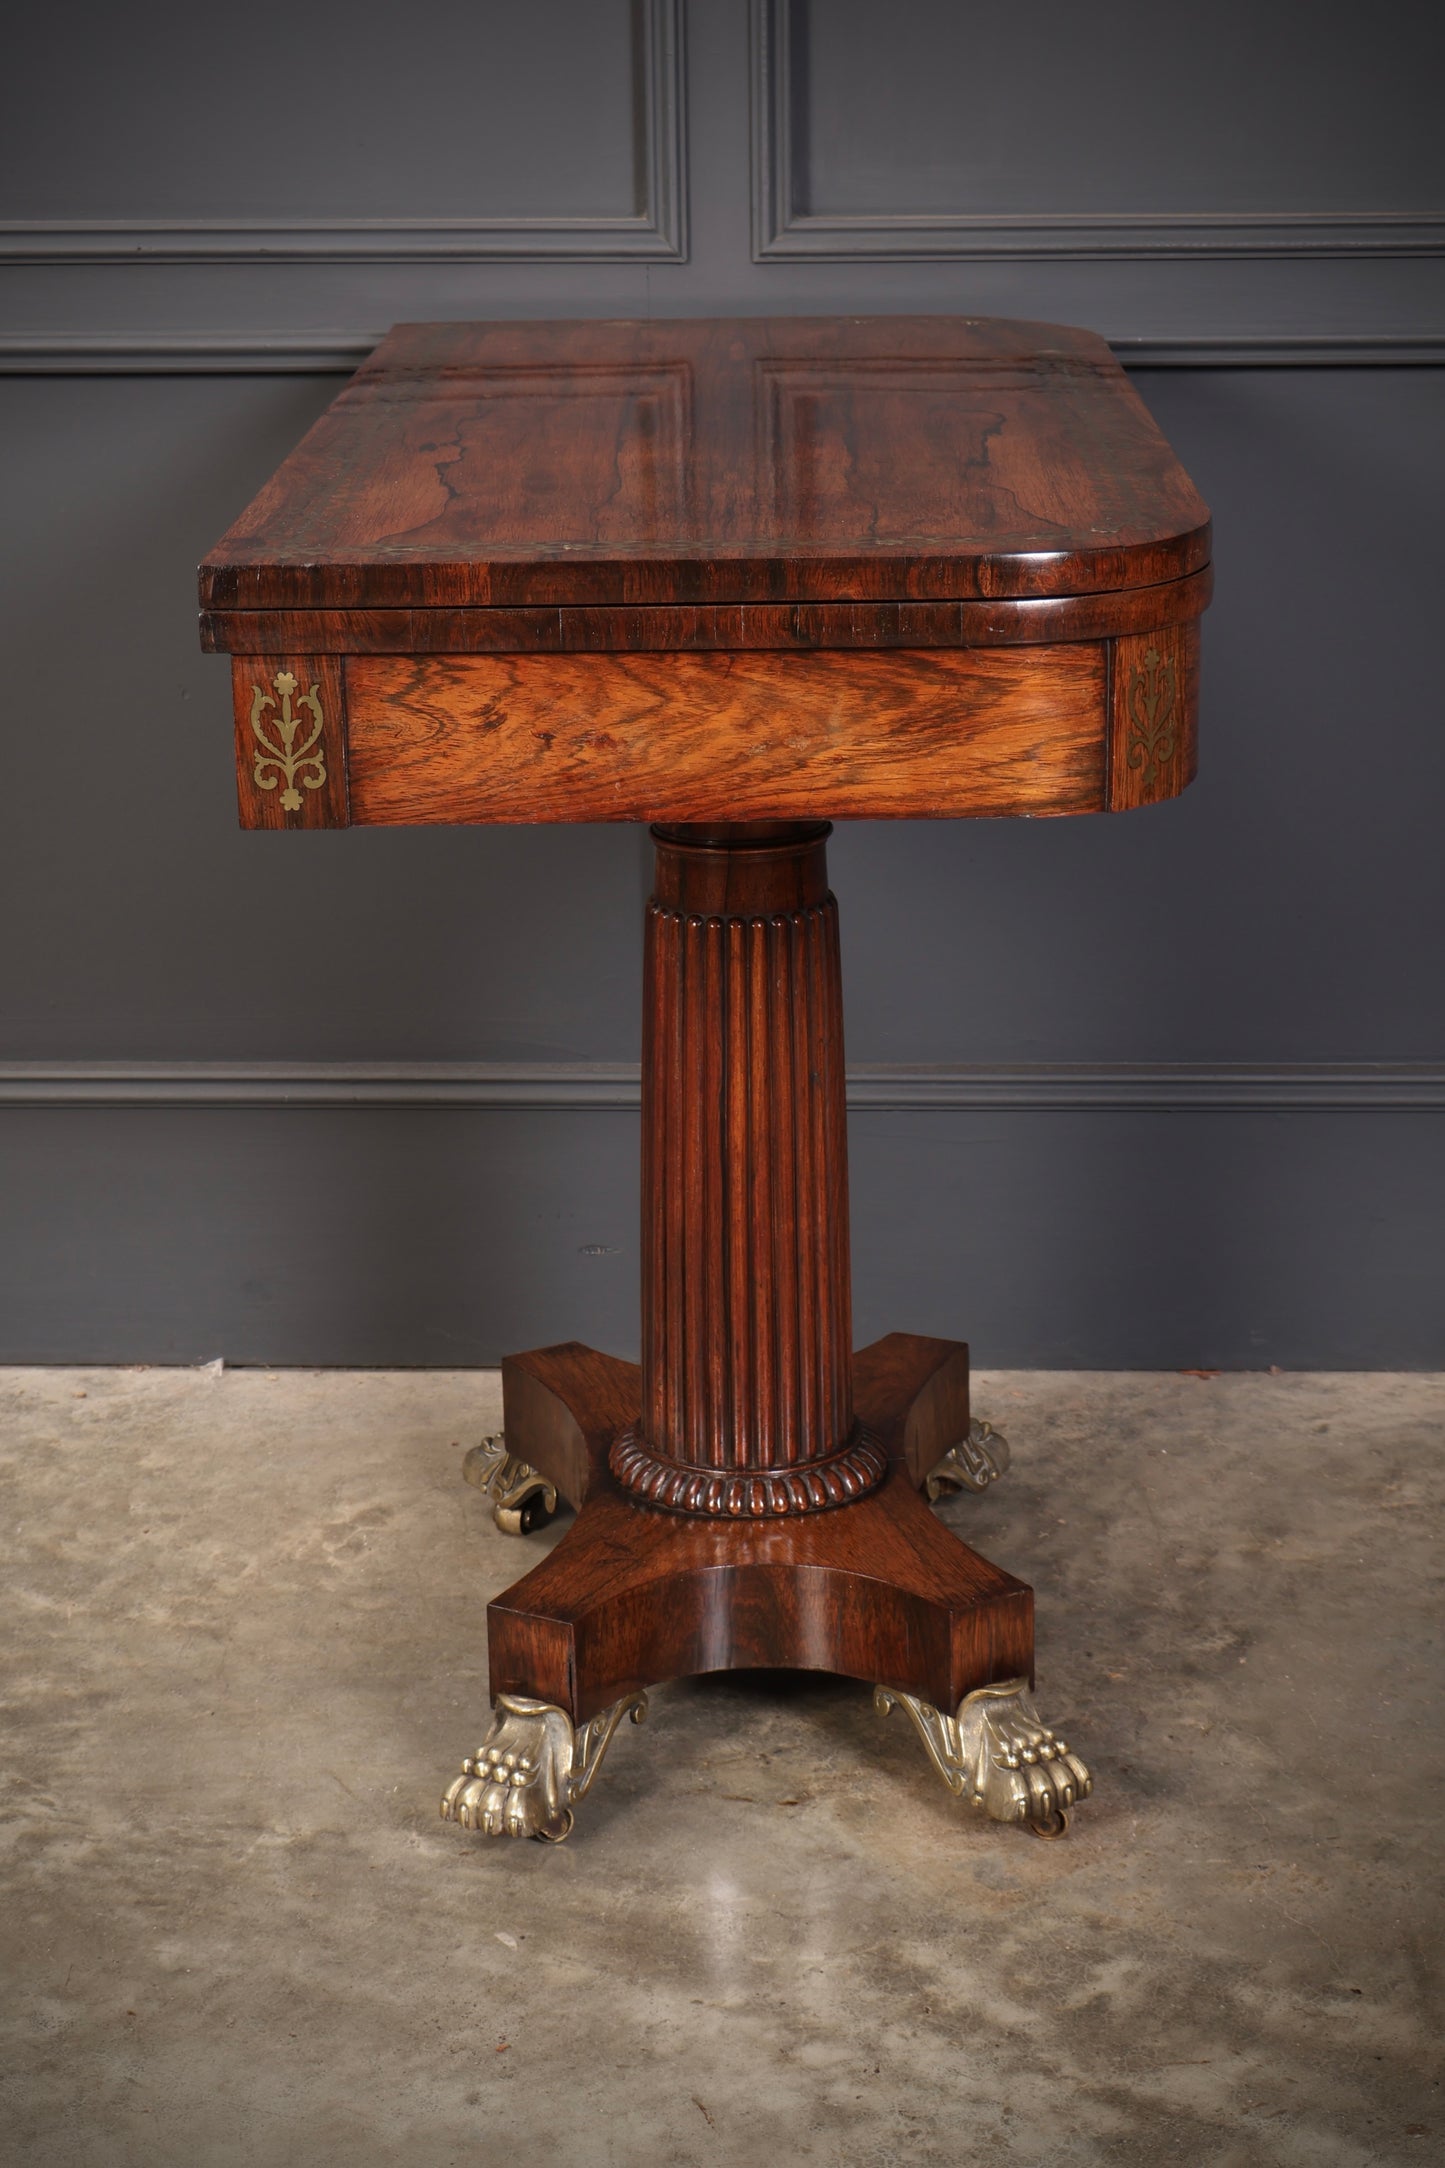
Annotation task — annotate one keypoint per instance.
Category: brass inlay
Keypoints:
(296, 759)
(1153, 722)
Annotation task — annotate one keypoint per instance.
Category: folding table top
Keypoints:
(697, 570)
(766, 459)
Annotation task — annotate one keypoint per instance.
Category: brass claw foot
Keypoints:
(998, 1756)
(972, 1464)
(532, 1768)
(521, 1498)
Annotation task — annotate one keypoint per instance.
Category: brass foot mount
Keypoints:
(522, 1499)
(971, 1465)
(532, 1768)
(998, 1756)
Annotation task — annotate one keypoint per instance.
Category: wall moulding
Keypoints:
(580, 1087)
(657, 231)
(337, 353)
(783, 228)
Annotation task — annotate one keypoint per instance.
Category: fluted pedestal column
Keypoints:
(747, 1406)
(750, 1494)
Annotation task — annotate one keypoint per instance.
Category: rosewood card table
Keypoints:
(736, 579)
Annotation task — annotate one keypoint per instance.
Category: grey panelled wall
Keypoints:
(1167, 1089)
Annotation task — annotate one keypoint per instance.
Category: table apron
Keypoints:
(423, 739)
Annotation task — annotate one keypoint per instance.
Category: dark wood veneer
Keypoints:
(746, 1302)
(1006, 621)
(764, 459)
(749, 1494)
(733, 578)
(1154, 708)
(863, 568)
(880, 1590)
(774, 737)
(316, 794)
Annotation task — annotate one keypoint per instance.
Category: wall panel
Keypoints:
(322, 132)
(939, 129)
(1167, 1088)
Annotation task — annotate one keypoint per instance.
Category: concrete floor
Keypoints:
(244, 1649)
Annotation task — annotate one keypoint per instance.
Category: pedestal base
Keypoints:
(879, 1589)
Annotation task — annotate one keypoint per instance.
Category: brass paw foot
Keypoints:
(972, 1464)
(532, 1768)
(521, 1498)
(998, 1756)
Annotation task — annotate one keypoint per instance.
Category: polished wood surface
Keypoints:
(272, 698)
(567, 1404)
(772, 737)
(732, 578)
(692, 628)
(753, 460)
(871, 568)
(879, 1590)
(1154, 716)
(749, 1494)
(746, 1302)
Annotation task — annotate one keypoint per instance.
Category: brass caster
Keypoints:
(532, 1767)
(522, 1500)
(1058, 1828)
(997, 1756)
(971, 1465)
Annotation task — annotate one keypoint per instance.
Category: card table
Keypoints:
(737, 579)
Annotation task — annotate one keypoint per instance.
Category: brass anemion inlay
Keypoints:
(1153, 722)
(298, 758)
